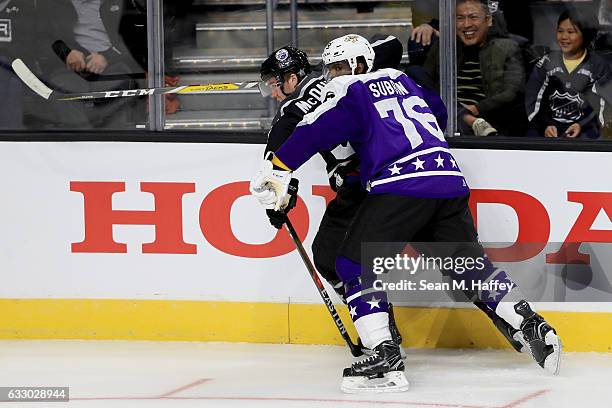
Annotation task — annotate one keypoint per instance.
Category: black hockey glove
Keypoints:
(278, 218)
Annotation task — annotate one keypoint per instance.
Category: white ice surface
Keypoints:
(189, 375)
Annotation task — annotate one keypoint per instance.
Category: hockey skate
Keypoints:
(383, 371)
(515, 337)
(543, 341)
(395, 335)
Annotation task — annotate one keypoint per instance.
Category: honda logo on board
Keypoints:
(534, 223)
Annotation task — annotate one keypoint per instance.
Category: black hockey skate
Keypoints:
(543, 341)
(382, 371)
(395, 335)
(515, 337)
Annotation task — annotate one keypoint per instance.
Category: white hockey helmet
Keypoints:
(348, 48)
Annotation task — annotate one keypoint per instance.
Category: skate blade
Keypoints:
(552, 362)
(393, 381)
(403, 353)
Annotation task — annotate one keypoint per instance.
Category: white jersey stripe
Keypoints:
(422, 152)
(293, 98)
(413, 175)
(536, 109)
(339, 86)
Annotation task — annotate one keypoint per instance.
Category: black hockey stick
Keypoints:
(27, 77)
(355, 350)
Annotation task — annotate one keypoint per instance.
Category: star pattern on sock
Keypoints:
(374, 303)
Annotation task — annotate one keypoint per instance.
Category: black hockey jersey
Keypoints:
(340, 161)
(559, 98)
(18, 30)
(306, 97)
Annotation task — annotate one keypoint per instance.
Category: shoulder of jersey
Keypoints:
(309, 82)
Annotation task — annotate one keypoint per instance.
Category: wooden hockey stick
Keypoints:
(27, 77)
(355, 349)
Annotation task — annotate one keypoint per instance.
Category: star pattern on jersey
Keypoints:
(353, 311)
(418, 164)
(494, 294)
(374, 303)
(395, 169)
(424, 163)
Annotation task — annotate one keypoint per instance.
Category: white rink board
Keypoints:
(41, 217)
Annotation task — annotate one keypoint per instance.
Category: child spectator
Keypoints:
(559, 96)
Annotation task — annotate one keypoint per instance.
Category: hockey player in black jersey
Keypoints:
(431, 204)
(287, 77)
(560, 94)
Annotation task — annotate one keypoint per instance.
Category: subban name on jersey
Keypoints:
(387, 88)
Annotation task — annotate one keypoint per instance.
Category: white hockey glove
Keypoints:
(271, 186)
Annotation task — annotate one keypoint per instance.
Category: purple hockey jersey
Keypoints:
(393, 124)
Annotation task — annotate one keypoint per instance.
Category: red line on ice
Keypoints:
(169, 396)
(518, 402)
(184, 387)
(328, 400)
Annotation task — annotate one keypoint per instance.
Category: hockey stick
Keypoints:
(355, 350)
(36, 85)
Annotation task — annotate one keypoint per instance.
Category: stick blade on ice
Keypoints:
(28, 78)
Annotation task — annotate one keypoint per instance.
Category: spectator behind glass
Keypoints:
(603, 47)
(559, 96)
(17, 40)
(605, 13)
(490, 75)
(513, 16)
(603, 43)
(91, 41)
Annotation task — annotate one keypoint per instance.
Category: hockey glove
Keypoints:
(271, 186)
(278, 218)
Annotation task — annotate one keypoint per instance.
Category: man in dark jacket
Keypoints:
(490, 75)
(89, 41)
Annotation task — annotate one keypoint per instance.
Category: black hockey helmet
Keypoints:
(285, 60)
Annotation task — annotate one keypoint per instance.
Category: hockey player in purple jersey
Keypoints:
(288, 77)
(416, 193)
